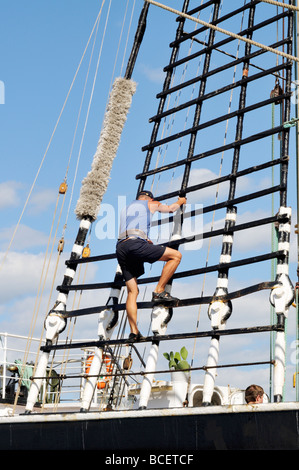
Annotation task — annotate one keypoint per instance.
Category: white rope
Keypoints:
(75, 133)
(48, 146)
(127, 40)
(280, 4)
(224, 31)
(169, 126)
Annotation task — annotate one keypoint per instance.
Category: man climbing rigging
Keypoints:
(134, 248)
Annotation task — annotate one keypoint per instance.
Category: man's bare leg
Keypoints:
(131, 304)
(173, 259)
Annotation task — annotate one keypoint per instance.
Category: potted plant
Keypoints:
(179, 368)
(177, 361)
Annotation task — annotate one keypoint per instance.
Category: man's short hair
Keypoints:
(145, 193)
(252, 392)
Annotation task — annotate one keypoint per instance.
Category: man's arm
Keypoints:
(156, 206)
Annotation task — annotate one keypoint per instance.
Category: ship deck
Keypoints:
(234, 427)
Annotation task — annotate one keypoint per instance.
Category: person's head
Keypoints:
(145, 195)
(254, 394)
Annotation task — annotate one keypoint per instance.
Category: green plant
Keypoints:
(177, 360)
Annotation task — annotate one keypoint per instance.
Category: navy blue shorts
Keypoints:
(133, 253)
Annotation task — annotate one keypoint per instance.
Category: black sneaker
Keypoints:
(163, 297)
(135, 337)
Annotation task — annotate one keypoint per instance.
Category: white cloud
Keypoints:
(154, 75)
(208, 195)
(22, 274)
(41, 200)
(25, 237)
(9, 196)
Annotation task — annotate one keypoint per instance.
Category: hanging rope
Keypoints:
(41, 289)
(75, 133)
(70, 337)
(176, 103)
(224, 31)
(48, 146)
(168, 127)
(217, 188)
(39, 294)
(280, 4)
(80, 148)
(95, 79)
(126, 45)
(273, 235)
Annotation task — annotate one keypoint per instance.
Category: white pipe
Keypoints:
(4, 367)
(149, 377)
(36, 383)
(279, 366)
(159, 316)
(92, 379)
(210, 375)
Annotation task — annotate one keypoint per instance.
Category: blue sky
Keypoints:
(41, 45)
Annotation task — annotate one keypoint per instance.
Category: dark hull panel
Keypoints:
(186, 430)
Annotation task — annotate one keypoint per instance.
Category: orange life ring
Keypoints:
(88, 363)
(101, 384)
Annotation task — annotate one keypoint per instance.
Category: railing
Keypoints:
(16, 368)
(65, 377)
